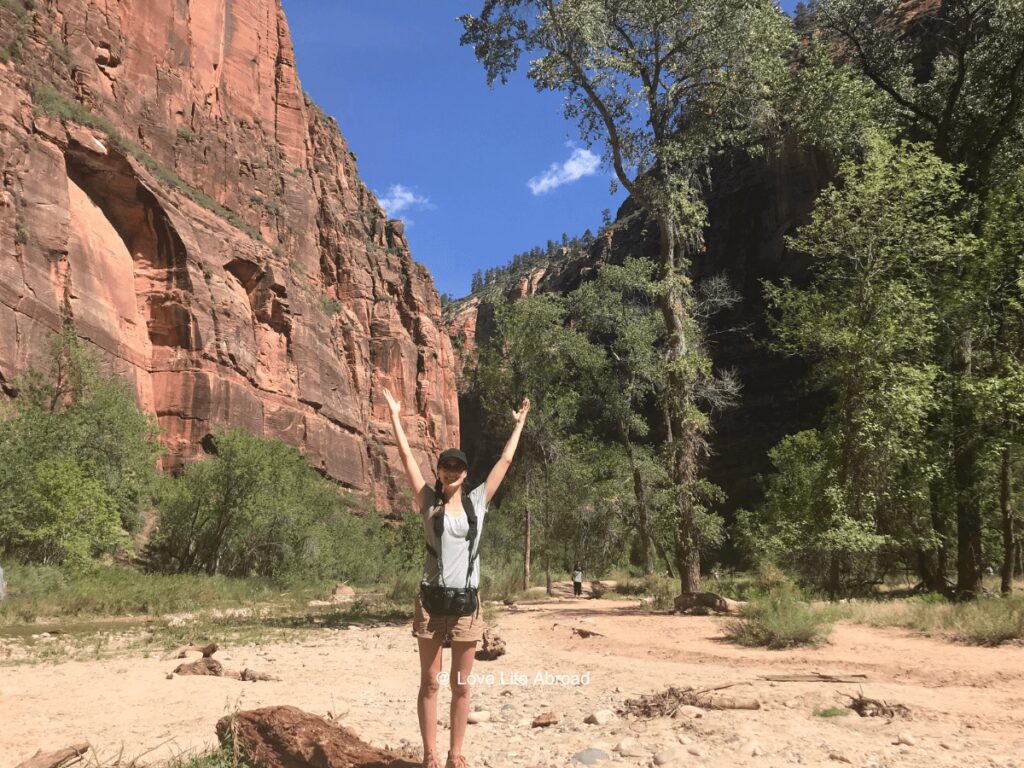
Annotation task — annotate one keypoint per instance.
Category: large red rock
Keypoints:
(281, 302)
(287, 737)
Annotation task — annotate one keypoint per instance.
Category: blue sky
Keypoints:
(478, 174)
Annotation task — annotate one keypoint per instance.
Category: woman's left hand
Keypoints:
(524, 408)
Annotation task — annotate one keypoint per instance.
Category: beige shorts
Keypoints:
(459, 629)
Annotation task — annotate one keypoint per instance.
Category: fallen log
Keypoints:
(706, 601)
(59, 759)
(183, 651)
(816, 677)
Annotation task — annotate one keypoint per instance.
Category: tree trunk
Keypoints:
(965, 479)
(834, 585)
(527, 541)
(1006, 507)
(643, 522)
(683, 431)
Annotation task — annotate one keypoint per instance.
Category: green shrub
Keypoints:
(60, 49)
(991, 621)
(77, 461)
(186, 135)
(330, 306)
(780, 620)
(832, 712)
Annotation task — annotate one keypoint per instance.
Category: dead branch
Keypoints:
(59, 759)
(867, 707)
(816, 677)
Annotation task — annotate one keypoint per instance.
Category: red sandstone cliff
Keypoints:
(280, 302)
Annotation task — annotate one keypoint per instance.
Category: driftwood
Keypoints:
(585, 633)
(866, 707)
(816, 677)
(183, 651)
(59, 759)
(706, 601)
(668, 702)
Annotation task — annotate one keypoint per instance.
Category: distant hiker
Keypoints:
(577, 580)
(447, 608)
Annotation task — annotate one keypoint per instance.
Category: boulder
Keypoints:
(287, 737)
(492, 646)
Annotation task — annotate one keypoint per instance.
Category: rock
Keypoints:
(343, 593)
(750, 747)
(600, 717)
(630, 747)
(203, 666)
(907, 738)
(667, 757)
(546, 719)
(683, 738)
(492, 646)
(590, 756)
(287, 737)
(481, 716)
(688, 710)
(839, 757)
(170, 675)
(697, 750)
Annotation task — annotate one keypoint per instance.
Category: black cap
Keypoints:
(453, 453)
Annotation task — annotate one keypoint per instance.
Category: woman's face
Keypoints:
(452, 473)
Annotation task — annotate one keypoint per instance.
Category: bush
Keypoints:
(77, 461)
(780, 620)
(257, 508)
(991, 621)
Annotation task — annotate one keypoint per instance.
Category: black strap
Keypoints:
(438, 523)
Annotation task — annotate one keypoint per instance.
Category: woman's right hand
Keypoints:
(393, 404)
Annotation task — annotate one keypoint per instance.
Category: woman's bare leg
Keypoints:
(426, 700)
(462, 666)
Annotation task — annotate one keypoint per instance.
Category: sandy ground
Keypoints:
(967, 702)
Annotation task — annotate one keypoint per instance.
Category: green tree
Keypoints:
(953, 74)
(534, 354)
(883, 245)
(77, 460)
(660, 84)
(256, 507)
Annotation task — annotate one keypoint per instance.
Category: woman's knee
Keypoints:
(429, 686)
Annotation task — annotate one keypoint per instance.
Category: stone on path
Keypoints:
(590, 756)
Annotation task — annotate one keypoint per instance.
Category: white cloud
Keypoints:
(400, 198)
(581, 163)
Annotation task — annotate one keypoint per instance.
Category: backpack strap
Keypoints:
(467, 505)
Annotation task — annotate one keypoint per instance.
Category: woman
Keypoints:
(452, 522)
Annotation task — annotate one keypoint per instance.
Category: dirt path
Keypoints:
(967, 703)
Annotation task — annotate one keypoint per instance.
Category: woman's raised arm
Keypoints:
(498, 471)
(412, 469)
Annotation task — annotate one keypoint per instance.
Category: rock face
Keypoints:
(169, 190)
(753, 205)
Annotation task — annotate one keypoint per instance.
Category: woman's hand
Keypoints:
(393, 404)
(520, 415)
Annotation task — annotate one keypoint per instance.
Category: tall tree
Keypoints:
(660, 84)
(953, 74)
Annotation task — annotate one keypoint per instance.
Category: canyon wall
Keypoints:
(168, 189)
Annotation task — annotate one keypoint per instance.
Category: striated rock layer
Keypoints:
(168, 189)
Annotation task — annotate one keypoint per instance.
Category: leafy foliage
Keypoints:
(77, 461)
